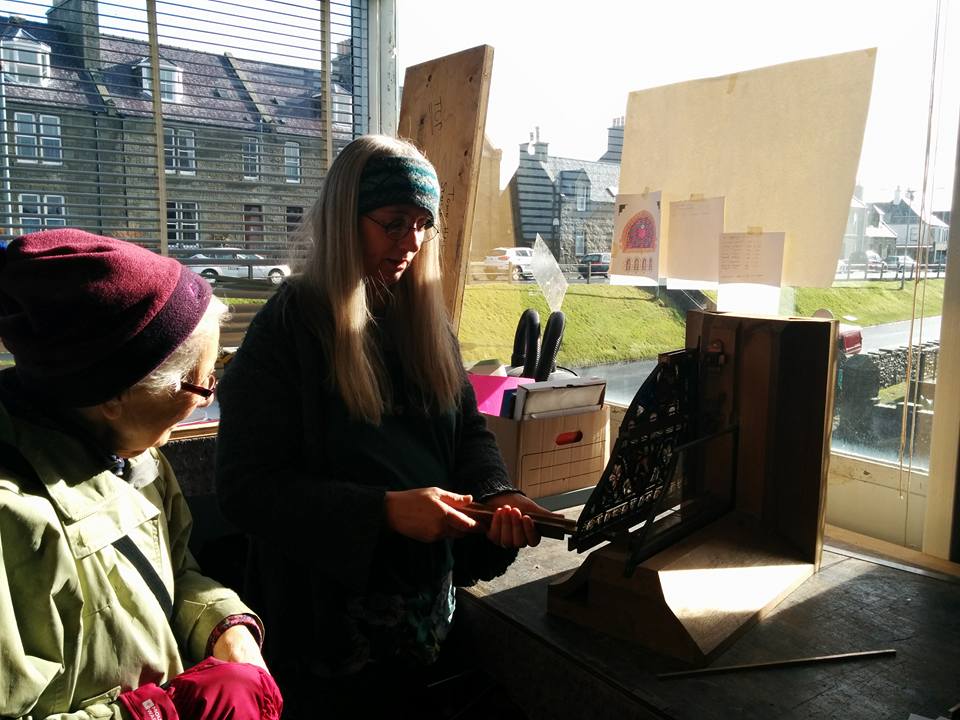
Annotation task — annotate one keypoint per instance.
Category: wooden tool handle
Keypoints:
(552, 525)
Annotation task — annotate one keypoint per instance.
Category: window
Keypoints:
(583, 194)
(886, 427)
(171, 80)
(252, 225)
(183, 227)
(179, 151)
(294, 218)
(342, 107)
(291, 162)
(37, 138)
(40, 211)
(251, 158)
(26, 61)
(579, 242)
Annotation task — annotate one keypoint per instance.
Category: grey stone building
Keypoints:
(569, 202)
(866, 230)
(244, 143)
(906, 217)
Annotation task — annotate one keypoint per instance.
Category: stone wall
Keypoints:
(861, 420)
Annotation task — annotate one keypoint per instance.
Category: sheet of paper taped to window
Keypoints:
(695, 229)
(762, 140)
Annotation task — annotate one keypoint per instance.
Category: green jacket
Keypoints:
(78, 624)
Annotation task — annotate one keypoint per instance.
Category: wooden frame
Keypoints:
(443, 112)
(691, 600)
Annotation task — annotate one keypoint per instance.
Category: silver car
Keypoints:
(214, 263)
(516, 262)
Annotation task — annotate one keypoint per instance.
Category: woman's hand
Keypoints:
(510, 527)
(428, 514)
(237, 644)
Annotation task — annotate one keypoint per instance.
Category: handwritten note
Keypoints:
(754, 258)
(694, 243)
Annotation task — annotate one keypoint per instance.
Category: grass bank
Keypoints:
(872, 303)
(607, 324)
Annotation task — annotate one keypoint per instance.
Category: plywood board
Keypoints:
(781, 144)
(443, 112)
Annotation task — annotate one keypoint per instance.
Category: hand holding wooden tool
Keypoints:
(552, 525)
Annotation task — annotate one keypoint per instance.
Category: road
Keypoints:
(898, 333)
(624, 379)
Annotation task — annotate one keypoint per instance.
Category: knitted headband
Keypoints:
(392, 180)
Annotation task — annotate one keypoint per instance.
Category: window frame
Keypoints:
(250, 159)
(10, 55)
(171, 86)
(44, 217)
(582, 194)
(178, 227)
(35, 137)
(292, 162)
(179, 157)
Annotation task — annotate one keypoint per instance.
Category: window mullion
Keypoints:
(159, 136)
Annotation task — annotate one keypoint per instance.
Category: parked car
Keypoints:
(516, 262)
(236, 263)
(902, 263)
(874, 262)
(594, 264)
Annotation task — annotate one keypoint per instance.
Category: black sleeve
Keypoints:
(263, 480)
(480, 471)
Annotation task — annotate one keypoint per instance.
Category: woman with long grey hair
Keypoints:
(350, 443)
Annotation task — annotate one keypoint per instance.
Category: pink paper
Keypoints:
(490, 388)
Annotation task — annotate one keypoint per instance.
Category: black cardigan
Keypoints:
(307, 483)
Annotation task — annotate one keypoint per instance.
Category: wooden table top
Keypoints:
(556, 669)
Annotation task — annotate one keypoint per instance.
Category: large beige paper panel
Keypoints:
(781, 144)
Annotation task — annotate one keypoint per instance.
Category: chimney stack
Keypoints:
(614, 141)
(80, 20)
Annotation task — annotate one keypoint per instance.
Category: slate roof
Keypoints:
(602, 175)
(904, 212)
(218, 90)
(879, 231)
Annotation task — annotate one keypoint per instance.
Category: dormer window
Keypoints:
(26, 60)
(171, 80)
(342, 105)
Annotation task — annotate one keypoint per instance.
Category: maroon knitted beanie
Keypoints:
(87, 316)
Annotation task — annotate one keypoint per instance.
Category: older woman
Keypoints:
(101, 603)
(350, 443)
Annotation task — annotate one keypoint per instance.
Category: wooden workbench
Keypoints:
(555, 669)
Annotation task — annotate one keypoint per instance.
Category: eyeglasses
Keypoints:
(397, 229)
(204, 391)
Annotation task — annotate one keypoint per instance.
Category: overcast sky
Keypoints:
(567, 66)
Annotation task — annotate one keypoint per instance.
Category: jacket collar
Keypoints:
(95, 505)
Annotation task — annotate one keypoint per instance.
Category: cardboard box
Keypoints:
(552, 455)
